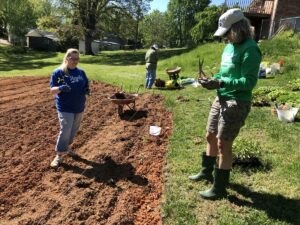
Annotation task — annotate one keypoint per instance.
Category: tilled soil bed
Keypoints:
(116, 177)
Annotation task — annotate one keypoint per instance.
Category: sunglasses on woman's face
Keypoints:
(74, 58)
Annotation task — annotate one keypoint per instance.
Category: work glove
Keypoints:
(211, 84)
(64, 88)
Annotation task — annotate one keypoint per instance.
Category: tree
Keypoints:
(49, 23)
(3, 21)
(137, 9)
(154, 27)
(43, 7)
(207, 23)
(88, 13)
(17, 16)
(69, 36)
(119, 22)
(181, 19)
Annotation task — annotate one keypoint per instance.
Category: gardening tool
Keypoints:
(140, 86)
(201, 74)
(208, 83)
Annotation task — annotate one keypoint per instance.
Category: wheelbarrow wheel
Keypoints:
(120, 109)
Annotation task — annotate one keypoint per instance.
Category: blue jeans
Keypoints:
(150, 77)
(69, 125)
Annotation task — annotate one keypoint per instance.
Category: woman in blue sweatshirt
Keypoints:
(70, 86)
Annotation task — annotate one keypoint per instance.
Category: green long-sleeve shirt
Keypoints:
(151, 58)
(239, 70)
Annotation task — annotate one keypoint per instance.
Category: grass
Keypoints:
(262, 196)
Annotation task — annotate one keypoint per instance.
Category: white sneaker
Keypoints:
(56, 161)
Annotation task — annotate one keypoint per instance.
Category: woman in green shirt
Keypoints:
(234, 84)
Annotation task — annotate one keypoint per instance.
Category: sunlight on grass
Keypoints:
(268, 196)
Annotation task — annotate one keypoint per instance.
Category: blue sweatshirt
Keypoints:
(73, 101)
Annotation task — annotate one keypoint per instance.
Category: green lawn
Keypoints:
(269, 194)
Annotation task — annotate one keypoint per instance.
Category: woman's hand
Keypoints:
(64, 88)
(211, 84)
(59, 89)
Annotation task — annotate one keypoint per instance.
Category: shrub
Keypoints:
(15, 50)
(282, 44)
(290, 98)
(294, 85)
(247, 155)
(207, 24)
(246, 149)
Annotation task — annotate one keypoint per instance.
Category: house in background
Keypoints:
(99, 45)
(267, 15)
(16, 40)
(109, 42)
(41, 40)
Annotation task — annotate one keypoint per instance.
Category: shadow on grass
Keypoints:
(11, 60)
(24, 61)
(130, 58)
(106, 171)
(19, 65)
(251, 164)
(267, 78)
(297, 120)
(13, 54)
(276, 207)
(168, 89)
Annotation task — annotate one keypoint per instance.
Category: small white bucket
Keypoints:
(287, 115)
(155, 130)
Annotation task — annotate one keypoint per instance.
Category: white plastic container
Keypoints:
(155, 130)
(287, 115)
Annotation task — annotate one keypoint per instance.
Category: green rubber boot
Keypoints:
(218, 190)
(208, 163)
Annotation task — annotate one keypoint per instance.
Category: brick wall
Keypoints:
(288, 8)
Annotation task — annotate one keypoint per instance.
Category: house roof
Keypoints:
(107, 42)
(253, 6)
(39, 33)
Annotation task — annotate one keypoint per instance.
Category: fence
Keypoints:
(252, 6)
(291, 23)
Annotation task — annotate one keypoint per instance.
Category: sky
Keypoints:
(161, 5)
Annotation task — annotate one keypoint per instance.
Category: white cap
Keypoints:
(155, 46)
(227, 19)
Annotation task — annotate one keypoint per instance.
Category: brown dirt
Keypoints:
(116, 177)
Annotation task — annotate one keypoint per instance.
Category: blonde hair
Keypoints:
(64, 65)
(240, 31)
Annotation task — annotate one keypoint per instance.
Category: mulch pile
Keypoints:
(116, 177)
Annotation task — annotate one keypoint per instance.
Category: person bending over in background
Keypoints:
(70, 85)
(151, 64)
(234, 83)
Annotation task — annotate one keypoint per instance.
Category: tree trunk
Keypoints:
(136, 34)
(180, 31)
(88, 44)
(87, 11)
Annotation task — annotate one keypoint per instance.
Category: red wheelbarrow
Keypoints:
(121, 99)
